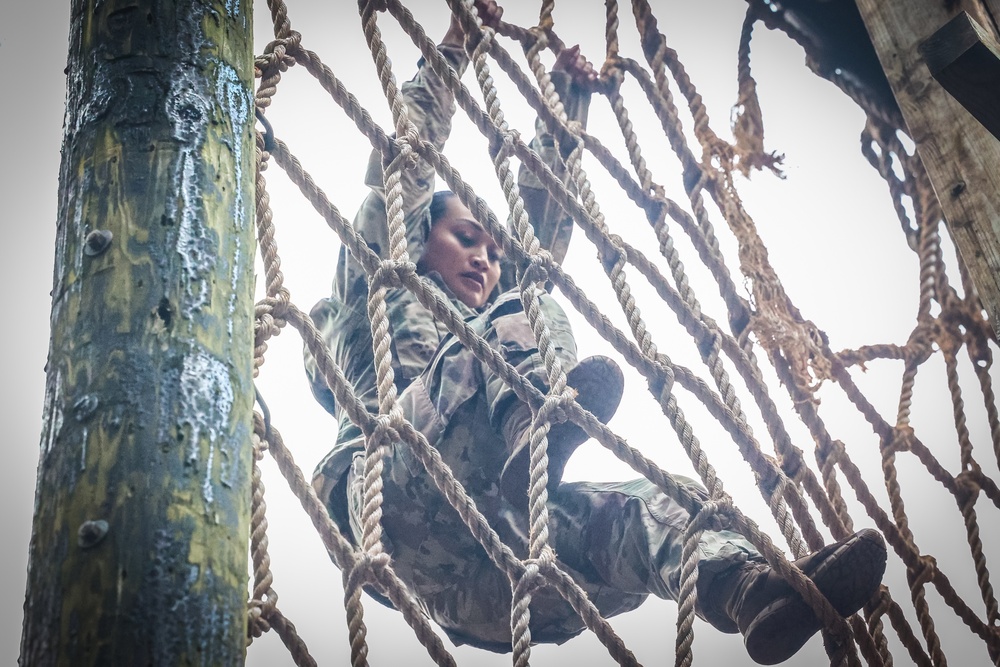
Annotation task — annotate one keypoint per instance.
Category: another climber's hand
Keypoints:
(582, 71)
(489, 13)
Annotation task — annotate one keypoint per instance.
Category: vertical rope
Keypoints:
(967, 504)
(611, 29)
(538, 540)
(709, 514)
(263, 598)
(538, 441)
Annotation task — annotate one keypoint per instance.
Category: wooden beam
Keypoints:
(965, 60)
(138, 551)
(962, 158)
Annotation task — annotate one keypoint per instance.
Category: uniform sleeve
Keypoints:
(551, 224)
(342, 318)
(430, 106)
(347, 337)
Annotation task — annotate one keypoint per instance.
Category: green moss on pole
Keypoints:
(138, 553)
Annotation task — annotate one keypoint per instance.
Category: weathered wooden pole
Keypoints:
(961, 156)
(138, 552)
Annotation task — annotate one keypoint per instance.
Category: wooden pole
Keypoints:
(961, 156)
(138, 552)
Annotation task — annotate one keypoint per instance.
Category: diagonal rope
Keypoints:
(945, 323)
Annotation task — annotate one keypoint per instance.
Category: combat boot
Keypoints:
(774, 619)
(598, 382)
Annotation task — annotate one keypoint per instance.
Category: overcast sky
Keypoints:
(829, 227)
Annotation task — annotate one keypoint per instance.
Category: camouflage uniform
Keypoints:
(621, 541)
(342, 317)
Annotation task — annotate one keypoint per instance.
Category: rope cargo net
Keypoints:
(948, 324)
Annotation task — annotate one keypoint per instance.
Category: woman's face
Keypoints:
(464, 253)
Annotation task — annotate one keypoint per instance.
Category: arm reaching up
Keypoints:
(574, 79)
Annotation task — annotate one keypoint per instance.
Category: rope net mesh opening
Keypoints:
(812, 485)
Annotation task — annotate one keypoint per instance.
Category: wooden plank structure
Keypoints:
(965, 59)
(138, 553)
(960, 154)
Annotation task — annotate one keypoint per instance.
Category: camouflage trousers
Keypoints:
(621, 541)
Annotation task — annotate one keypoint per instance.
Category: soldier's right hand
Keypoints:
(489, 13)
(582, 71)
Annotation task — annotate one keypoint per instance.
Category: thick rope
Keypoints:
(782, 480)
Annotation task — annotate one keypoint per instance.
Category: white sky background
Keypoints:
(829, 227)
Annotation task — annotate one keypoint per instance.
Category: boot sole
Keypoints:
(599, 383)
(848, 579)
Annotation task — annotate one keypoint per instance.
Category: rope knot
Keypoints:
(275, 54)
(556, 408)
(791, 465)
(832, 453)
(967, 487)
(919, 347)
(540, 37)
(949, 344)
(260, 444)
(902, 439)
(503, 143)
(386, 428)
(661, 383)
(537, 268)
(265, 328)
(257, 625)
(923, 572)
(883, 602)
(390, 273)
(373, 564)
(366, 569)
(276, 305)
(405, 157)
(259, 611)
(713, 515)
(531, 578)
(612, 253)
(612, 73)
(270, 316)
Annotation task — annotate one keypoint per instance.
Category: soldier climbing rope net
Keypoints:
(947, 322)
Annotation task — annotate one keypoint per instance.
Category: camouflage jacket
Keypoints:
(342, 318)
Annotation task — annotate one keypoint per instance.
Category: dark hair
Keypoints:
(438, 204)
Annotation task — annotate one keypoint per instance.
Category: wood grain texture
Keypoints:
(965, 60)
(961, 156)
(138, 552)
